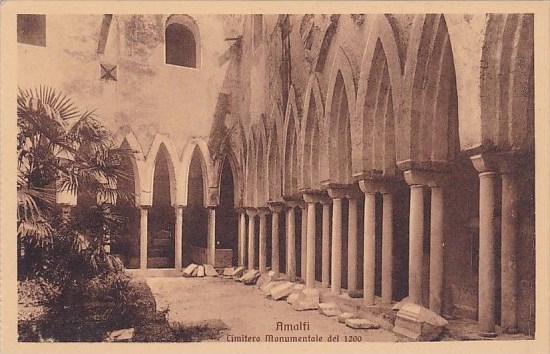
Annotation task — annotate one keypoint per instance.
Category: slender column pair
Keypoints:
(370, 188)
(487, 166)
(251, 212)
(276, 209)
(291, 240)
(311, 200)
(418, 181)
(336, 194)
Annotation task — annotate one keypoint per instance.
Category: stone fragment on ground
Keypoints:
(200, 271)
(228, 271)
(361, 323)
(418, 323)
(265, 278)
(329, 309)
(121, 335)
(195, 271)
(238, 272)
(188, 271)
(281, 291)
(308, 299)
(209, 271)
(250, 277)
(400, 304)
(342, 317)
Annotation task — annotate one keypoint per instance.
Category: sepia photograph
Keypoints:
(246, 177)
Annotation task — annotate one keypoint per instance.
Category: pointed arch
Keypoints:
(207, 171)
(274, 166)
(428, 124)
(236, 170)
(310, 135)
(373, 133)
(161, 145)
(250, 169)
(340, 107)
(261, 165)
(507, 118)
(290, 153)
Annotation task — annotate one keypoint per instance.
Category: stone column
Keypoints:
(303, 242)
(310, 200)
(369, 244)
(251, 238)
(276, 209)
(242, 238)
(211, 246)
(509, 235)
(416, 245)
(336, 266)
(352, 242)
(486, 292)
(143, 236)
(291, 240)
(178, 239)
(262, 212)
(387, 247)
(436, 247)
(325, 264)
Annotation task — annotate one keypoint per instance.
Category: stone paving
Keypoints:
(248, 312)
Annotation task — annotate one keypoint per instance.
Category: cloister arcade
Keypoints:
(384, 171)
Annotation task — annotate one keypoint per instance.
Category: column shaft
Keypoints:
(436, 248)
(290, 245)
(486, 301)
(263, 243)
(509, 234)
(275, 243)
(143, 238)
(251, 226)
(303, 247)
(336, 265)
(212, 236)
(310, 244)
(352, 244)
(178, 239)
(387, 248)
(326, 246)
(416, 247)
(369, 243)
(242, 243)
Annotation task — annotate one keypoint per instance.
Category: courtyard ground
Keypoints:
(246, 311)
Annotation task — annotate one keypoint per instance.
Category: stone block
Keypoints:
(238, 272)
(308, 299)
(121, 335)
(282, 290)
(195, 271)
(265, 278)
(266, 288)
(250, 277)
(200, 271)
(342, 317)
(292, 298)
(209, 271)
(418, 323)
(361, 323)
(329, 309)
(188, 271)
(400, 304)
(228, 271)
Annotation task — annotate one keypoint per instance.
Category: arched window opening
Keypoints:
(181, 46)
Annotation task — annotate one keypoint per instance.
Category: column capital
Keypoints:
(145, 207)
(276, 206)
(240, 210)
(426, 178)
(291, 203)
(485, 162)
(383, 185)
(251, 212)
(263, 211)
(338, 191)
(313, 197)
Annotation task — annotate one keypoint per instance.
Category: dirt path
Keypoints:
(245, 310)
